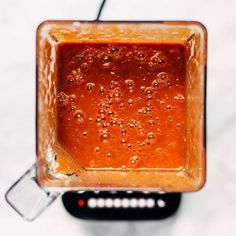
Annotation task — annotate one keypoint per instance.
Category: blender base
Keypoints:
(121, 205)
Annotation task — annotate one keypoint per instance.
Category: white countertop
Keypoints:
(212, 211)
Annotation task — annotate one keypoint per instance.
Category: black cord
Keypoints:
(100, 10)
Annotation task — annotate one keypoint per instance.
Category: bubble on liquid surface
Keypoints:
(117, 95)
(151, 123)
(163, 79)
(155, 83)
(78, 57)
(114, 122)
(134, 159)
(123, 141)
(105, 137)
(70, 80)
(101, 90)
(105, 125)
(84, 67)
(123, 132)
(114, 49)
(117, 53)
(106, 61)
(154, 58)
(113, 73)
(130, 102)
(72, 108)
(113, 84)
(90, 59)
(102, 104)
(179, 97)
(148, 142)
(141, 132)
(109, 155)
(76, 78)
(72, 98)
(79, 117)
(149, 91)
(140, 57)
(122, 105)
(102, 111)
(130, 84)
(102, 116)
(97, 149)
(120, 122)
(131, 125)
(142, 89)
(159, 58)
(151, 66)
(90, 86)
(170, 119)
(151, 136)
(80, 79)
(144, 111)
(110, 112)
(98, 121)
(63, 99)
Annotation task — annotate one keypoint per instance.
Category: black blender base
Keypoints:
(121, 205)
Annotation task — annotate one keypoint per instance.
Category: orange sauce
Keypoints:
(122, 105)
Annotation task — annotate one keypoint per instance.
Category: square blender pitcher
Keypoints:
(120, 106)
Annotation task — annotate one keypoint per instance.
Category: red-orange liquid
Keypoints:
(122, 105)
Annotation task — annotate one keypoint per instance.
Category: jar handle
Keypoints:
(27, 197)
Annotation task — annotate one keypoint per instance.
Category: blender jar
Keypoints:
(120, 106)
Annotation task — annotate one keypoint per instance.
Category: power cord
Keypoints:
(100, 10)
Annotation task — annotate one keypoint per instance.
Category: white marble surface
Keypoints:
(211, 211)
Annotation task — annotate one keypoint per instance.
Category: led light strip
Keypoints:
(124, 203)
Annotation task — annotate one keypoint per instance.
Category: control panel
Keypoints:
(121, 205)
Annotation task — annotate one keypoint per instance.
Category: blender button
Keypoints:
(141, 202)
(161, 203)
(117, 203)
(100, 202)
(133, 202)
(92, 203)
(81, 202)
(150, 203)
(125, 203)
(108, 203)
